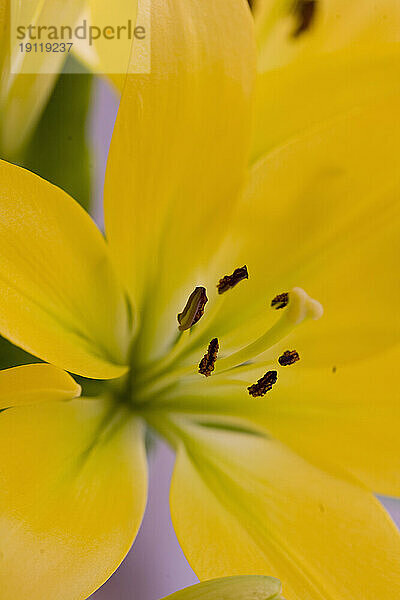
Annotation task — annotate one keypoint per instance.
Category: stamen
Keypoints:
(193, 310)
(300, 308)
(229, 281)
(280, 301)
(207, 363)
(304, 11)
(289, 357)
(263, 385)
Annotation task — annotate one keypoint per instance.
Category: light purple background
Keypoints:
(155, 566)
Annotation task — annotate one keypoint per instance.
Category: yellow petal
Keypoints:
(259, 508)
(71, 500)
(321, 212)
(60, 298)
(298, 97)
(23, 94)
(236, 588)
(357, 269)
(29, 384)
(343, 418)
(179, 152)
(333, 25)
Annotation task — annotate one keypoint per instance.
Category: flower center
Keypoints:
(219, 367)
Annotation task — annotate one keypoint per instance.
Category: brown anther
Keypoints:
(263, 385)
(304, 11)
(193, 310)
(207, 363)
(229, 281)
(280, 301)
(289, 357)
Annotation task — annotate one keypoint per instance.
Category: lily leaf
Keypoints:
(252, 587)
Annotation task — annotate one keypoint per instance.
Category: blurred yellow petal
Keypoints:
(24, 93)
(298, 97)
(109, 55)
(29, 384)
(21, 108)
(259, 508)
(348, 55)
(60, 297)
(296, 30)
(255, 587)
(73, 490)
(178, 153)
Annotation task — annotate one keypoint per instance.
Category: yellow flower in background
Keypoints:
(24, 94)
(295, 31)
(318, 58)
(237, 307)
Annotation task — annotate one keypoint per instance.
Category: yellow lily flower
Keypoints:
(195, 309)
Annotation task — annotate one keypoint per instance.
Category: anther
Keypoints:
(207, 363)
(280, 301)
(193, 310)
(229, 281)
(289, 357)
(263, 385)
(304, 11)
